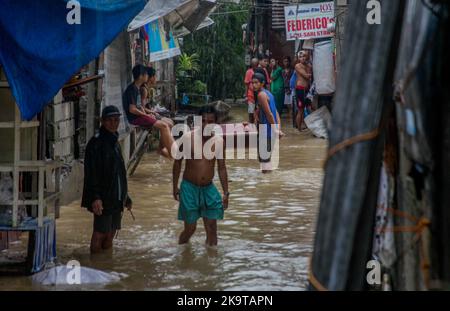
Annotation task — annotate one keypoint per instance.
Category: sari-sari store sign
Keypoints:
(308, 21)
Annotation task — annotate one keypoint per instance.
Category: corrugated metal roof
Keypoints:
(278, 13)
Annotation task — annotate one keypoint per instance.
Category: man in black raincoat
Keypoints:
(105, 190)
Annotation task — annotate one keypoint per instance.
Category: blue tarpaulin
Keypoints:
(40, 50)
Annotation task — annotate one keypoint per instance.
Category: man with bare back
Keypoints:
(197, 194)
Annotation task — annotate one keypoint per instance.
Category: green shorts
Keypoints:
(196, 202)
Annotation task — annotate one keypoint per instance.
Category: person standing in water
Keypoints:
(304, 75)
(264, 65)
(105, 190)
(197, 194)
(287, 74)
(267, 116)
(249, 94)
(277, 86)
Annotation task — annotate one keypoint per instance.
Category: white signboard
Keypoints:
(308, 21)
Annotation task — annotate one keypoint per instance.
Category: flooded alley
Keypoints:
(264, 241)
(252, 150)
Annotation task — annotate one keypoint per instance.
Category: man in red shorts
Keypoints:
(304, 74)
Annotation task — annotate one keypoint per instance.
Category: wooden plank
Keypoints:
(21, 202)
(90, 108)
(83, 81)
(38, 163)
(15, 169)
(48, 197)
(30, 166)
(23, 124)
(41, 203)
(138, 152)
(5, 125)
(57, 190)
(35, 154)
(28, 124)
(6, 169)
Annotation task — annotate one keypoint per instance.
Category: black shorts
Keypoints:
(108, 223)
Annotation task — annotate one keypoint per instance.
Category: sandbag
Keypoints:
(318, 122)
(60, 275)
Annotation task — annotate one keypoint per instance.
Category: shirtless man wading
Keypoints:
(198, 196)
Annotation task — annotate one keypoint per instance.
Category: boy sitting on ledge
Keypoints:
(137, 115)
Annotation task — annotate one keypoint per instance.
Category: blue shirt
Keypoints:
(293, 81)
(273, 109)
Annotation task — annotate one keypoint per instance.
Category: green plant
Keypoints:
(199, 87)
(221, 51)
(188, 65)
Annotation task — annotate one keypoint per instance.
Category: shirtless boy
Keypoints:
(304, 74)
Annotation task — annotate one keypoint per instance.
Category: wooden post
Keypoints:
(138, 152)
(172, 84)
(16, 174)
(41, 204)
(91, 99)
(57, 190)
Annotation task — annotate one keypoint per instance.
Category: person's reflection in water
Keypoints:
(187, 256)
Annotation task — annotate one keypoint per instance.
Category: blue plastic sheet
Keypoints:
(40, 50)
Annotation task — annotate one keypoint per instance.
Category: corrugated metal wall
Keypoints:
(278, 13)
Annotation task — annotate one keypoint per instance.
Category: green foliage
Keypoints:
(221, 52)
(199, 87)
(188, 65)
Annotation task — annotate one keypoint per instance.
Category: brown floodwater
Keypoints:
(265, 239)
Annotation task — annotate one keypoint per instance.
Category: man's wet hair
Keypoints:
(260, 77)
(139, 70)
(261, 72)
(262, 56)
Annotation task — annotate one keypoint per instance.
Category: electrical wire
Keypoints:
(229, 12)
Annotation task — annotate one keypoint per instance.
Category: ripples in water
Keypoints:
(264, 241)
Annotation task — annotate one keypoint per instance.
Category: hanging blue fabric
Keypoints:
(40, 50)
(293, 81)
(307, 111)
